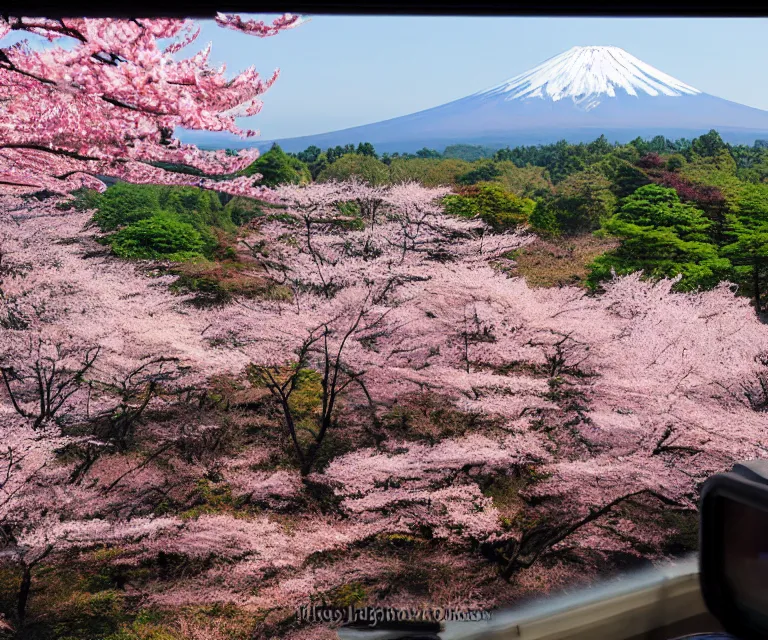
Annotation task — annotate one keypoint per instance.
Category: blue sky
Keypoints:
(343, 71)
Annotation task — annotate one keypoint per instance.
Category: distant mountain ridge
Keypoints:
(576, 95)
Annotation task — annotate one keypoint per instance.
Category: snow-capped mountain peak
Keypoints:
(587, 75)
(575, 96)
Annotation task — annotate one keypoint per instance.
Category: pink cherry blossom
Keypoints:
(472, 408)
(108, 105)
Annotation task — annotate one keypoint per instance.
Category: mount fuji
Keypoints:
(576, 96)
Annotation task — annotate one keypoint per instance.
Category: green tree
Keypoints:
(199, 208)
(160, 237)
(581, 203)
(675, 162)
(334, 153)
(82, 200)
(717, 171)
(749, 254)
(659, 144)
(600, 147)
(368, 169)
(752, 202)
(242, 210)
(625, 178)
(708, 145)
(627, 153)
(528, 181)
(468, 152)
(641, 146)
(682, 145)
(431, 172)
(366, 149)
(124, 203)
(309, 155)
(492, 203)
(483, 171)
(543, 219)
(277, 167)
(319, 164)
(560, 159)
(748, 250)
(564, 160)
(756, 172)
(663, 237)
(584, 201)
(428, 153)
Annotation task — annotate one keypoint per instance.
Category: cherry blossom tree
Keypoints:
(413, 208)
(108, 104)
(127, 396)
(21, 463)
(404, 233)
(43, 514)
(618, 418)
(369, 199)
(63, 382)
(325, 348)
(533, 425)
(44, 377)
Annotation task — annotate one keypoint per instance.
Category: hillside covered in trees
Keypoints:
(691, 207)
(232, 385)
(369, 389)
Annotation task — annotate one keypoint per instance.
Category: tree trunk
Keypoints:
(24, 588)
(310, 455)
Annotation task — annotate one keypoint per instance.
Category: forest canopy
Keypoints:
(697, 207)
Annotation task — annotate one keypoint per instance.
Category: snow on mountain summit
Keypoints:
(575, 96)
(589, 74)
